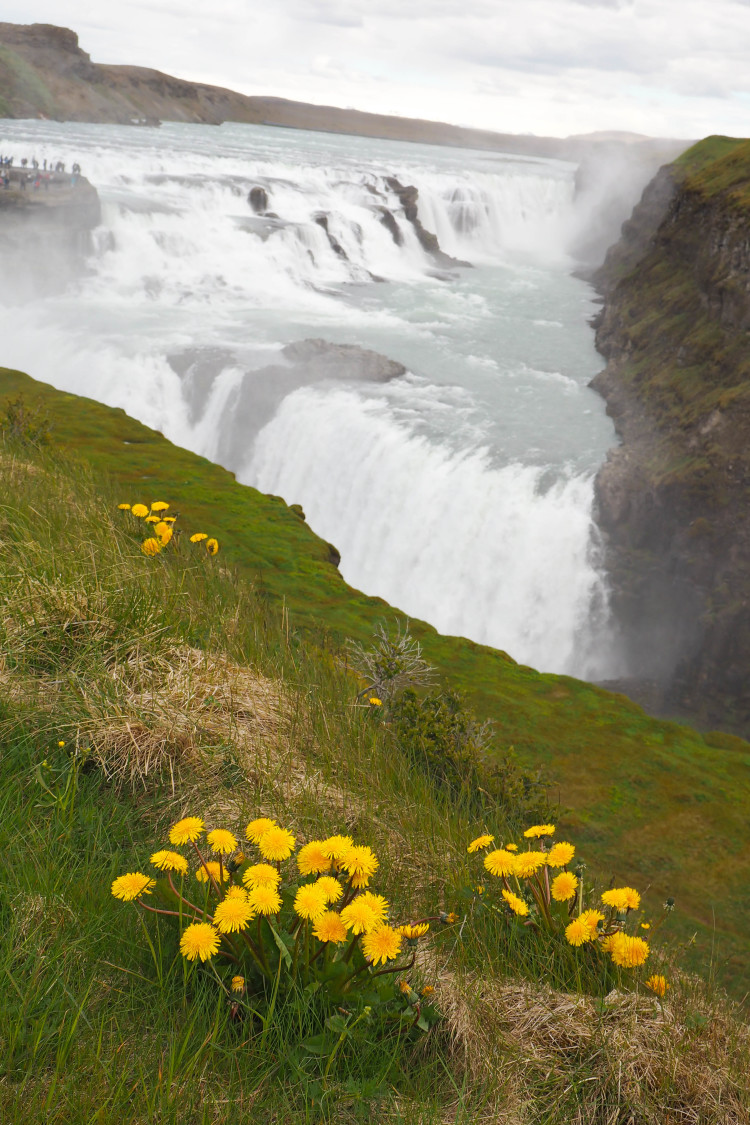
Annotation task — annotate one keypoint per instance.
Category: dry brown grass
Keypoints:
(626, 1060)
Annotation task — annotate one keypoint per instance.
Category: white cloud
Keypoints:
(668, 67)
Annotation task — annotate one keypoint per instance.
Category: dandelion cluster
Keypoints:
(161, 528)
(538, 889)
(280, 907)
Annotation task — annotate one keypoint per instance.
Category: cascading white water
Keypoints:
(461, 492)
(479, 550)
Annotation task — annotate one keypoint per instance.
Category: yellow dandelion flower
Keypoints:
(336, 847)
(212, 546)
(361, 863)
(219, 840)
(511, 847)
(528, 863)
(622, 899)
(539, 830)
(380, 905)
(578, 932)
(261, 875)
(185, 831)
(500, 862)
(265, 900)
(256, 828)
(198, 537)
(236, 892)
(312, 860)
(124, 507)
(163, 532)
(560, 854)
(310, 902)
(657, 984)
(628, 952)
(238, 984)
(645, 925)
(404, 986)
(329, 927)
(480, 842)
(592, 918)
(564, 886)
(139, 510)
(199, 940)
(428, 990)
(152, 519)
(232, 915)
(150, 547)
(170, 861)
(211, 870)
(130, 886)
(359, 917)
(276, 844)
(413, 930)
(330, 887)
(159, 506)
(375, 701)
(381, 944)
(61, 744)
(517, 905)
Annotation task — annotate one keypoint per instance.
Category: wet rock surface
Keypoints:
(673, 500)
(407, 196)
(260, 391)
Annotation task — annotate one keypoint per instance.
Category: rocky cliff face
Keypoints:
(674, 498)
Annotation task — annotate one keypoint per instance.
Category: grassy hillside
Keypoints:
(649, 801)
(137, 690)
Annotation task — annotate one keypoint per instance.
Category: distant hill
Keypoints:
(44, 73)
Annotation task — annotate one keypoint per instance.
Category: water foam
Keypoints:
(493, 553)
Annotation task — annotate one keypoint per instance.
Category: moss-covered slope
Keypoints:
(663, 804)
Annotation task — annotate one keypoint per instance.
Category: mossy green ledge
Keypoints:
(649, 802)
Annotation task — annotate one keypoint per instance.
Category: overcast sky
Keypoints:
(677, 68)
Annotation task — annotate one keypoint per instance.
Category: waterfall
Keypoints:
(462, 492)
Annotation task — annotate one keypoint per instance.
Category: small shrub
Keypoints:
(24, 424)
(443, 738)
(391, 664)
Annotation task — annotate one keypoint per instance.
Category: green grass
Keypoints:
(646, 798)
(245, 714)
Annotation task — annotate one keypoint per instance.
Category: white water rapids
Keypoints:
(461, 491)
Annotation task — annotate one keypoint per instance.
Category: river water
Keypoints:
(462, 491)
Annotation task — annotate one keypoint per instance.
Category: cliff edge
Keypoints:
(674, 499)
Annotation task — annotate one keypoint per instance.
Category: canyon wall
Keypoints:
(673, 500)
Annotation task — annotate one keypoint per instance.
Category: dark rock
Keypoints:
(390, 222)
(258, 199)
(323, 360)
(322, 221)
(673, 501)
(408, 195)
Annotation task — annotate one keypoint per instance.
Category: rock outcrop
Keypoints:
(674, 499)
(45, 232)
(407, 195)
